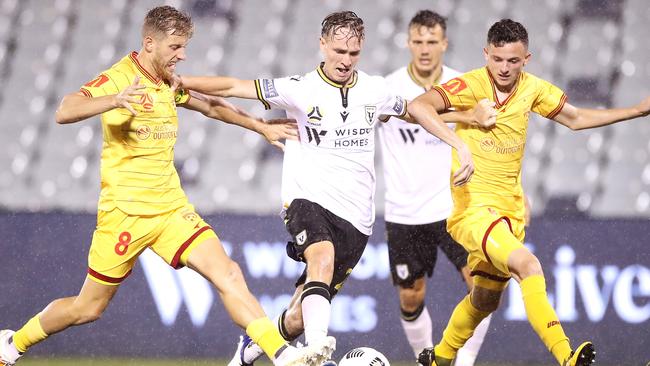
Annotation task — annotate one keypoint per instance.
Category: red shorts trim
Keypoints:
(108, 279)
(177, 257)
(487, 233)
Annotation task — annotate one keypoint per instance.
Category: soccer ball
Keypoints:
(364, 356)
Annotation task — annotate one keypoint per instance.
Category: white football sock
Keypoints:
(315, 316)
(418, 332)
(466, 356)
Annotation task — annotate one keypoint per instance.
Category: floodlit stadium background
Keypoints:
(590, 190)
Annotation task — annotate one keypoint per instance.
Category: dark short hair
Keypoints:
(167, 20)
(507, 31)
(343, 20)
(428, 19)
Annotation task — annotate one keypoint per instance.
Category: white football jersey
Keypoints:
(417, 165)
(333, 164)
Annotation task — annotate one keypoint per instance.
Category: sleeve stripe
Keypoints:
(559, 107)
(85, 92)
(258, 89)
(443, 95)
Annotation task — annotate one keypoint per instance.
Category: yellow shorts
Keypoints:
(489, 236)
(119, 239)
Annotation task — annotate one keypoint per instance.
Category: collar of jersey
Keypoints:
(334, 83)
(134, 58)
(494, 89)
(409, 70)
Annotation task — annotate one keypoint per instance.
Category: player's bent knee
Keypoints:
(523, 263)
(411, 298)
(485, 300)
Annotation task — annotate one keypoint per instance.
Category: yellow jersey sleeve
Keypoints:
(457, 93)
(100, 86)
(181, 96)
(550, 99)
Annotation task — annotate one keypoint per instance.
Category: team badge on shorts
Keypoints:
(402, 271)
(371, 110)
(301, 238)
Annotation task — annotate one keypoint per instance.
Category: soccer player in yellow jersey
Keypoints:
(142, 204)
(488, 214)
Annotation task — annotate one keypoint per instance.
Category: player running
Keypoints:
(142, 204)
(418, 196)
(488, 214)
(330, 202)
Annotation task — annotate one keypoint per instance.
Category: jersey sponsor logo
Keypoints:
(507, 147)
(314, 116)
(301, 238)
(163, 132)
(97, 82)
(371, 111)
(402, 271)
(143, 132)
(398, 107)
(315, 135)
(454, 86)
(408, 134)
(268, 89)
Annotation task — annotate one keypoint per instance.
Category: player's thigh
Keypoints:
(117, 241)
(488, 236)
(349, 245)
(412, 253)
(180, 233)
(307, 224)
(486, 299)
(455, 252)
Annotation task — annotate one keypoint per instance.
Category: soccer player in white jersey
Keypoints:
(418, 197)
(331, 209)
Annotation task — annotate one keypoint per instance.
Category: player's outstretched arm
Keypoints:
(581, 118)
(221, 86)
(76, 107)
(425, 112)
(214, 107)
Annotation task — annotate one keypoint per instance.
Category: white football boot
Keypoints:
(8, 352)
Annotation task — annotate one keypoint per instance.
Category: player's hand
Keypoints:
(484, 113)
(644, 106)
(464, 173)
(279, 129)
(129, 95)
(175, 82)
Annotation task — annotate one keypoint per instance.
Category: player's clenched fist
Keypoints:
(485, 114)
(127, 96)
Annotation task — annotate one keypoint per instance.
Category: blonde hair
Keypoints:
(167, 20)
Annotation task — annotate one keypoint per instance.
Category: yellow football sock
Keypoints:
(460, 328)
(263, 332)
(30, 334)
(542, 317)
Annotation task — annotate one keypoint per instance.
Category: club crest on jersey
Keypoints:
(301, 238)
(314, 115)
(371, 110)
(402, 271)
